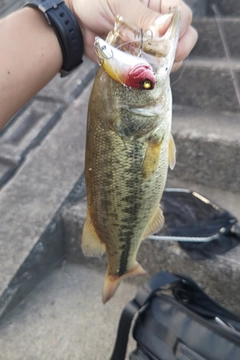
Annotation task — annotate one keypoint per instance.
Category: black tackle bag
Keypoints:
(176, 320)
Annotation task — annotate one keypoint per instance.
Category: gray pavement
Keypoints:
(33, 197)
(41, 165)
(64, 318)
(208, 148)
(218, 275)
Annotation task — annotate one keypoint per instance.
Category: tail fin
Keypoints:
(112, 282)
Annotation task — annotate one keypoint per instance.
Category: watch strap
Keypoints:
(67, 30)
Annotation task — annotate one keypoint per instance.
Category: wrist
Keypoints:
(49, 42)
(69, 5)
(65, 25)
(46, 38)
(30, 58)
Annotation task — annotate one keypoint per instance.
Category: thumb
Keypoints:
(141, 16)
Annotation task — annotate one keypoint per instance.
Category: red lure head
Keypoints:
(142, 77)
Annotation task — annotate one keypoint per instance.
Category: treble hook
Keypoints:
(147, 34)
(144, 34)
(100, 61)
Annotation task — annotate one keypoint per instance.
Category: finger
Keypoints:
(154, 5)
(165, 6)
(176, 66)
(185, 11)
(186, 44)
(141, 17)
(89, 49)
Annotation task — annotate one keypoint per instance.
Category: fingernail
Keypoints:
(161, 24)
(163, 19)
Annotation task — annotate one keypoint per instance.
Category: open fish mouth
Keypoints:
(130, 70)
(173, 30)
(136, 68)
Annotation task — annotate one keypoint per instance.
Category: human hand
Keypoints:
(96, 18)
(188, 35)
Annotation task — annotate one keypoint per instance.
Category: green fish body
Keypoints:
(128, 150)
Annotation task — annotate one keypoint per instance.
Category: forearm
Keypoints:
(30, 56)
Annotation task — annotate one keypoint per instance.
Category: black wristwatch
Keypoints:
(67, 30)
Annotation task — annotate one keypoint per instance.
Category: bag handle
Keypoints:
(142, 297)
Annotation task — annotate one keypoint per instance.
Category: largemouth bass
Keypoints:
(129, 145)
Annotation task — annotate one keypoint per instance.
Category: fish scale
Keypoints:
(127, 156)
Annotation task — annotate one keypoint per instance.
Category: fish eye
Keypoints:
(147, 84)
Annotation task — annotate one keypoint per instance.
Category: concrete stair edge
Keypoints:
(30, 203)
(208, 148)
(156, 255)
(207, 85)
(210, 42)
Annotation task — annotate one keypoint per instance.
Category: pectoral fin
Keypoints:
(171, 153)
(91, 244)
(151, 160)
(156, 223)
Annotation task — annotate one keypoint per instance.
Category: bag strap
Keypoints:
(142, 297)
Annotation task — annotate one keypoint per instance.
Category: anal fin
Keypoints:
(156, 224)
(91, 244)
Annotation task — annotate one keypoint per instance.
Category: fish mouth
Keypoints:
(141, 77)
(131, 71)
(174, 28)
(172, 33)
(170, 37)
(138, 71)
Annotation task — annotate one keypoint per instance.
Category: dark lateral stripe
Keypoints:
(124, 258)
(131, 200)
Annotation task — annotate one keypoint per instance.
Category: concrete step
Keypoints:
(208, 148)
(39, 226)
(65, 319)
(208, 85)
(8, 6)
(31, 234)
(50, 177)
(31, 125)
(226, 7)
(199, 7)
(210, 44)
(219, 276)
(64, 313)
